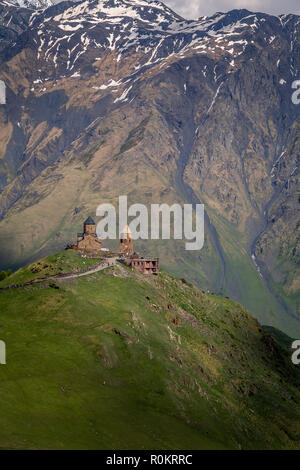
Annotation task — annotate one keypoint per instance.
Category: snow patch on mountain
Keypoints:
(75, 35)
(33, 4)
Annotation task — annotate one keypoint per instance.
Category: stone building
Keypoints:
(90, 245)
(144, 265)
(88, 242)
(125, 244)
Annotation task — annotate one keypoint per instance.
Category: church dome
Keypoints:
(89, 221)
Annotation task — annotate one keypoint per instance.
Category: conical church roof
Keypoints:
(125, 232)
(89, 221)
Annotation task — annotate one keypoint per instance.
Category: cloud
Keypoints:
(196, 8)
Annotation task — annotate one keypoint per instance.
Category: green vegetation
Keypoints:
(64, 262)
(5, 274)
(134, 137)
(86, 157)
(280, 337)
(119, 360)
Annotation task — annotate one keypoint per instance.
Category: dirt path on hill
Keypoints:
(99, 267)
(94, 269)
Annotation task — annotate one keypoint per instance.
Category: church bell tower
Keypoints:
(125, 245)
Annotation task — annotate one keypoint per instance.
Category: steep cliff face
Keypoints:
(116, 97)
(13, 21)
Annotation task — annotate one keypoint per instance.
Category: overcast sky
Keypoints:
(196, 8)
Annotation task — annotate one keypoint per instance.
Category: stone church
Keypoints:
(90, 245)
(87, 241)
(125, 245)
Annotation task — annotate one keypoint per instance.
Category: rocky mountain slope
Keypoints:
(31, 4)
(125, 97)
(119, 360)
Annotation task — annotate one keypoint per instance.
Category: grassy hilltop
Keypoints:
(117, 360)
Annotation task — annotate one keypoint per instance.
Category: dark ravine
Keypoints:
(260, 266)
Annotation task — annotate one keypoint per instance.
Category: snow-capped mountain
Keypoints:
(145, 28)
(124, 91)
(32, 4)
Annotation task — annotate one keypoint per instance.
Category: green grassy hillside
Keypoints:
(117, 360)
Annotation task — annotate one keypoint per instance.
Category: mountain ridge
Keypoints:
(31, 4)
